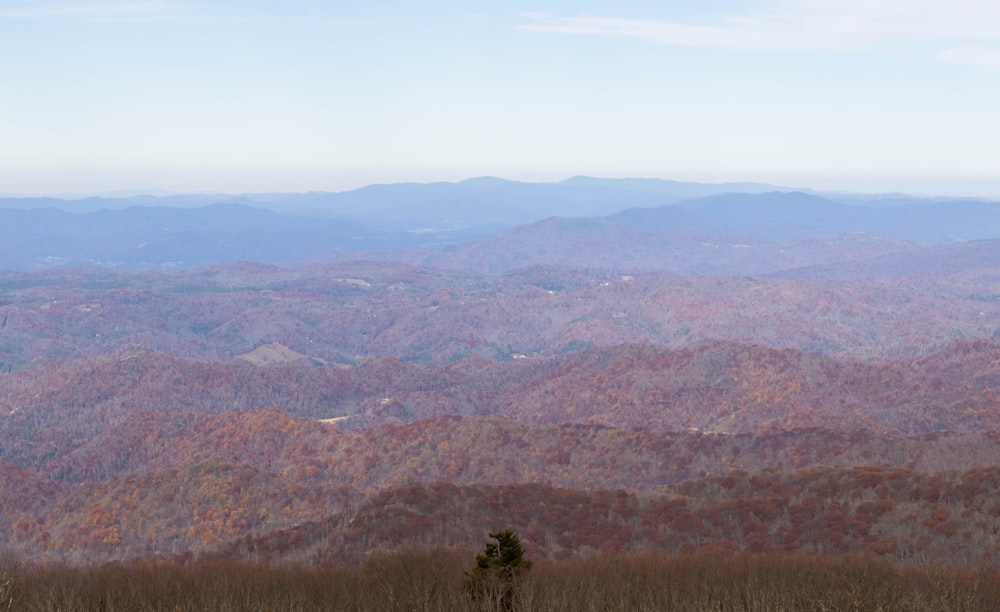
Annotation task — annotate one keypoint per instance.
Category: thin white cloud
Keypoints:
(781, 25)
(158, 12)
(984, 57)
(734, 34)
(52, 10)
(302, 20)
(909, 19)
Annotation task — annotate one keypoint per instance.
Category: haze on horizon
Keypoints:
(864, 95)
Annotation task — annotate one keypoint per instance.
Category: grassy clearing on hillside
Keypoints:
(433, 581)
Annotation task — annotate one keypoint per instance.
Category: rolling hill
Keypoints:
(610, 367)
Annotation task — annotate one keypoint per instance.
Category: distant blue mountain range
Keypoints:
(492, 225)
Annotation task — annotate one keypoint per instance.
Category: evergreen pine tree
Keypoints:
(493, 583)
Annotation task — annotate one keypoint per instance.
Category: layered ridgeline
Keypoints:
(115, 457)
(658, 367)
(492, 225)
(338, 314)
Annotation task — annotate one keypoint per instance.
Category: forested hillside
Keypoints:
(625, 384)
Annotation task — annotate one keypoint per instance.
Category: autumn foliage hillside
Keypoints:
(162, 484)
(896, 514)
(716, 388)
(344, 312)
(323, 413)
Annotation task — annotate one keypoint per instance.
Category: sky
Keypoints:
(305, 95)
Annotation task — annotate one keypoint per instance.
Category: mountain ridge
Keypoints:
(482, 224)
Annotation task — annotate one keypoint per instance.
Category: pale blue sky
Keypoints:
(190, 95)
